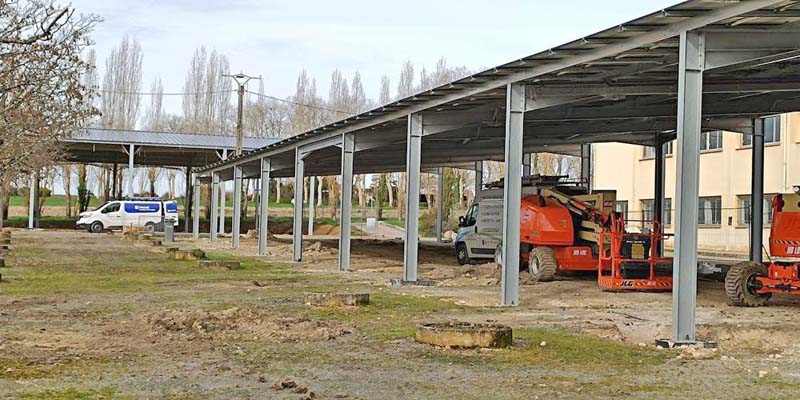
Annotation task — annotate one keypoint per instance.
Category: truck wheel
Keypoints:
(150, 227)
(96, 227)
(461, 254)
(542, 264)
(739, 284)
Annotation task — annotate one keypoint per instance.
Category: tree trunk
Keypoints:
(389, 189)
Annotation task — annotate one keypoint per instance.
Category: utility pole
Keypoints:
(241, 80)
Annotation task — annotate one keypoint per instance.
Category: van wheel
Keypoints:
(96, 227)
(542, 264)
(461, 254)
(150, 227)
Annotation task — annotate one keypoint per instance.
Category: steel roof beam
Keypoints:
(646, 38)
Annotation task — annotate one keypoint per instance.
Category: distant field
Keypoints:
(61, 201)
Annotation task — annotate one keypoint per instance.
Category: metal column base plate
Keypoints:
(671, 344)
(419, 282)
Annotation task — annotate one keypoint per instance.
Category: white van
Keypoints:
(480, 230)
(144, 213)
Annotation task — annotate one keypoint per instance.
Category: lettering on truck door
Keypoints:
(490, 224)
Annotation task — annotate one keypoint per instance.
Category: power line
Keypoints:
(299, 104)
(226, 91)
(165, 93)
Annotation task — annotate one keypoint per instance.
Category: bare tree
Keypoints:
(120, 101)
(207, 107)
(42, 95)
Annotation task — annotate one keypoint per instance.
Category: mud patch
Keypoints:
(203, 324)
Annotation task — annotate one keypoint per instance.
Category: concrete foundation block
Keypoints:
(336, 299)
(464, 335)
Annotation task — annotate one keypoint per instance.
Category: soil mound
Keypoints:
(206, 324)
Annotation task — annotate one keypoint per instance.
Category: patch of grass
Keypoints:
(388, 316)
(130, 270)
(565, 351)
(31, 369)
(76, 394)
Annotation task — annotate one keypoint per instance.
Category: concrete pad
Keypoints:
(464, 335)
(336, 299)
(195, 254)
(219, 264)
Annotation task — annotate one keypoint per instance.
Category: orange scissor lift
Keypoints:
(632, 261)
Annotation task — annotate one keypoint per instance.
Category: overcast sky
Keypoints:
(277, 39)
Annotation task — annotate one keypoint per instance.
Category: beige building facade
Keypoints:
(725, 172)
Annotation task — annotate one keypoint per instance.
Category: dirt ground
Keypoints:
(94, 316)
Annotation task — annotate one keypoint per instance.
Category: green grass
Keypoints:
(76, 394)
(131, 270)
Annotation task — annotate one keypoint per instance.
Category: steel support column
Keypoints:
(131, 153)
(413, 153)
(214, 206)
(478, 177)
(263, 226)
(114, 186)
(757, 192)
(658, 187)
(188, 199)
(526, 165)
(195, 207)
(512, 193)
(312, 185)
(348, 148)
(237, 206)
(31, 203)
(297, 226)
(690, 95)
(439, 205)
(223, 199)
(586, 165)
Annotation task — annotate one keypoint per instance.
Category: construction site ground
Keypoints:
(94, 316)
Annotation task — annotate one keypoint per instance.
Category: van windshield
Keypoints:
(101, 206)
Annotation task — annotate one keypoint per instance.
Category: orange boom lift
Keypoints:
(750, 283)
(563, 229)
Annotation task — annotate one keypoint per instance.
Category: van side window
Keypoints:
(113, 207)
(472, 216)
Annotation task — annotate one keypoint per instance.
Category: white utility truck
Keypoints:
(148, 213)
(480, 230)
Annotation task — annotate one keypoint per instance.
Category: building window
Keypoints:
(622, 208)
(710, 140)
(650, 151)
(710, 211)
(772, 131)
(745, 204)
(648, 211)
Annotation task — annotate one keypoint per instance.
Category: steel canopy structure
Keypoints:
(697, 66)
(149, 148)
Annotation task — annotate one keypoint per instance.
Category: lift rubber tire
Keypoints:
(461, 254)
(542, 264)
(149, 227)
(737, 284)
(96, 227)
